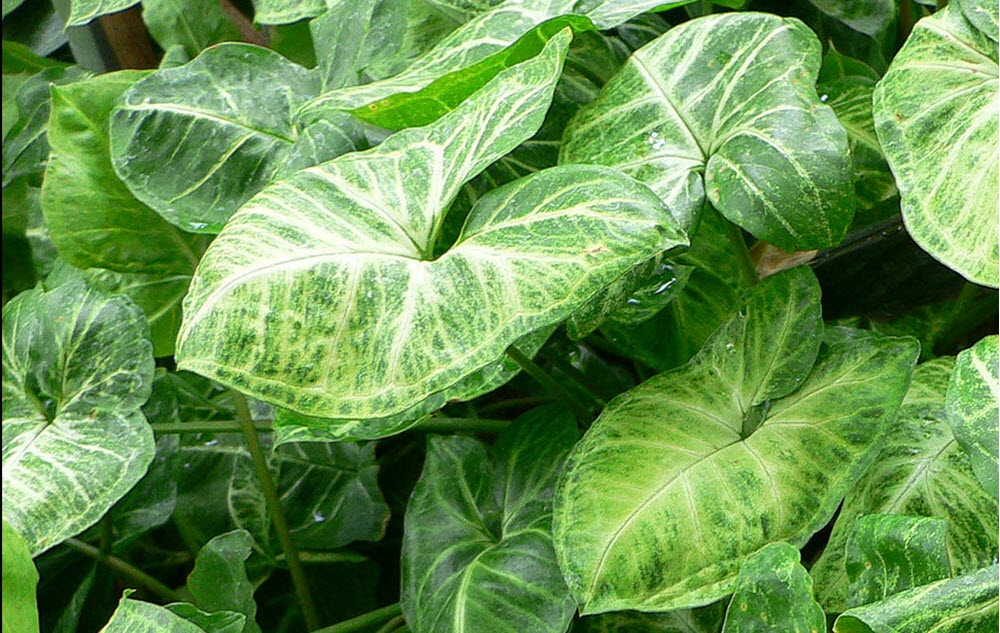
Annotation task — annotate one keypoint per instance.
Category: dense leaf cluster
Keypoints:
(501, 316)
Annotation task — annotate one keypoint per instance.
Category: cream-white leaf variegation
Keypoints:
(323, 294)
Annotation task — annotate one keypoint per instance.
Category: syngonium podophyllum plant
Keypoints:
(502, 316)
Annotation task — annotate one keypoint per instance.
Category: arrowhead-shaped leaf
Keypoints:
(921, 471)
(477, 546)
(967, 604)
(77, 367)
(774, 593)
(683, 477)
(941, 92)
(321, 295)
(972, 407)
(889, 553)
(724, 108)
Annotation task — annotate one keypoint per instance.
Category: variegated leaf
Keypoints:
(936, 114)
(339, 309)
(972, 405)
(77, 367)
(724, 108)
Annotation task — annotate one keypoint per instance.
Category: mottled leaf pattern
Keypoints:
(477, 550)
(936, 114)
(724, 109)
(83, 11)
(972, 408)
(77, 367)
(774, 593)
(638, 509)
(355, 237)
(967, 604)
(984, 15)
(889, 553)
(921, 471)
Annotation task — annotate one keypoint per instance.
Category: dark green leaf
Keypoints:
(477, 547)
(219, 579)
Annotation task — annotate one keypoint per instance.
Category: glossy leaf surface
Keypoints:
(941, 92)
(921, 471)
(191, 24)
(972, 407)
(77, 367)
(195, 142)
(477, 550)
(134, 616)
(92, 218)
(724, 109)
(889, 553)
(83, 11)
(700, 446)
(355, 236)
(774, 593)
(967, 604)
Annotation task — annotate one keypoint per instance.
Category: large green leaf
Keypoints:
(355, 35)
(889, 553)
(921, 471)
(92, 217)
(967, 604)
(724, 108)
(77, 367)
(219, 581)
(196, 141)
(683, 477)
(20, 610)
(355, 236)
(936, 114)
(774, 593)
(477, 545)
(972, 408)
(192, 24)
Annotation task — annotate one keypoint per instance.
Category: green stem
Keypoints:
(547, 382)
(365, 620)
(513, 403)
(127, 570)
(451, 425)
(276, 512)
(747, 270)
(392, 625)
(208, 426)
